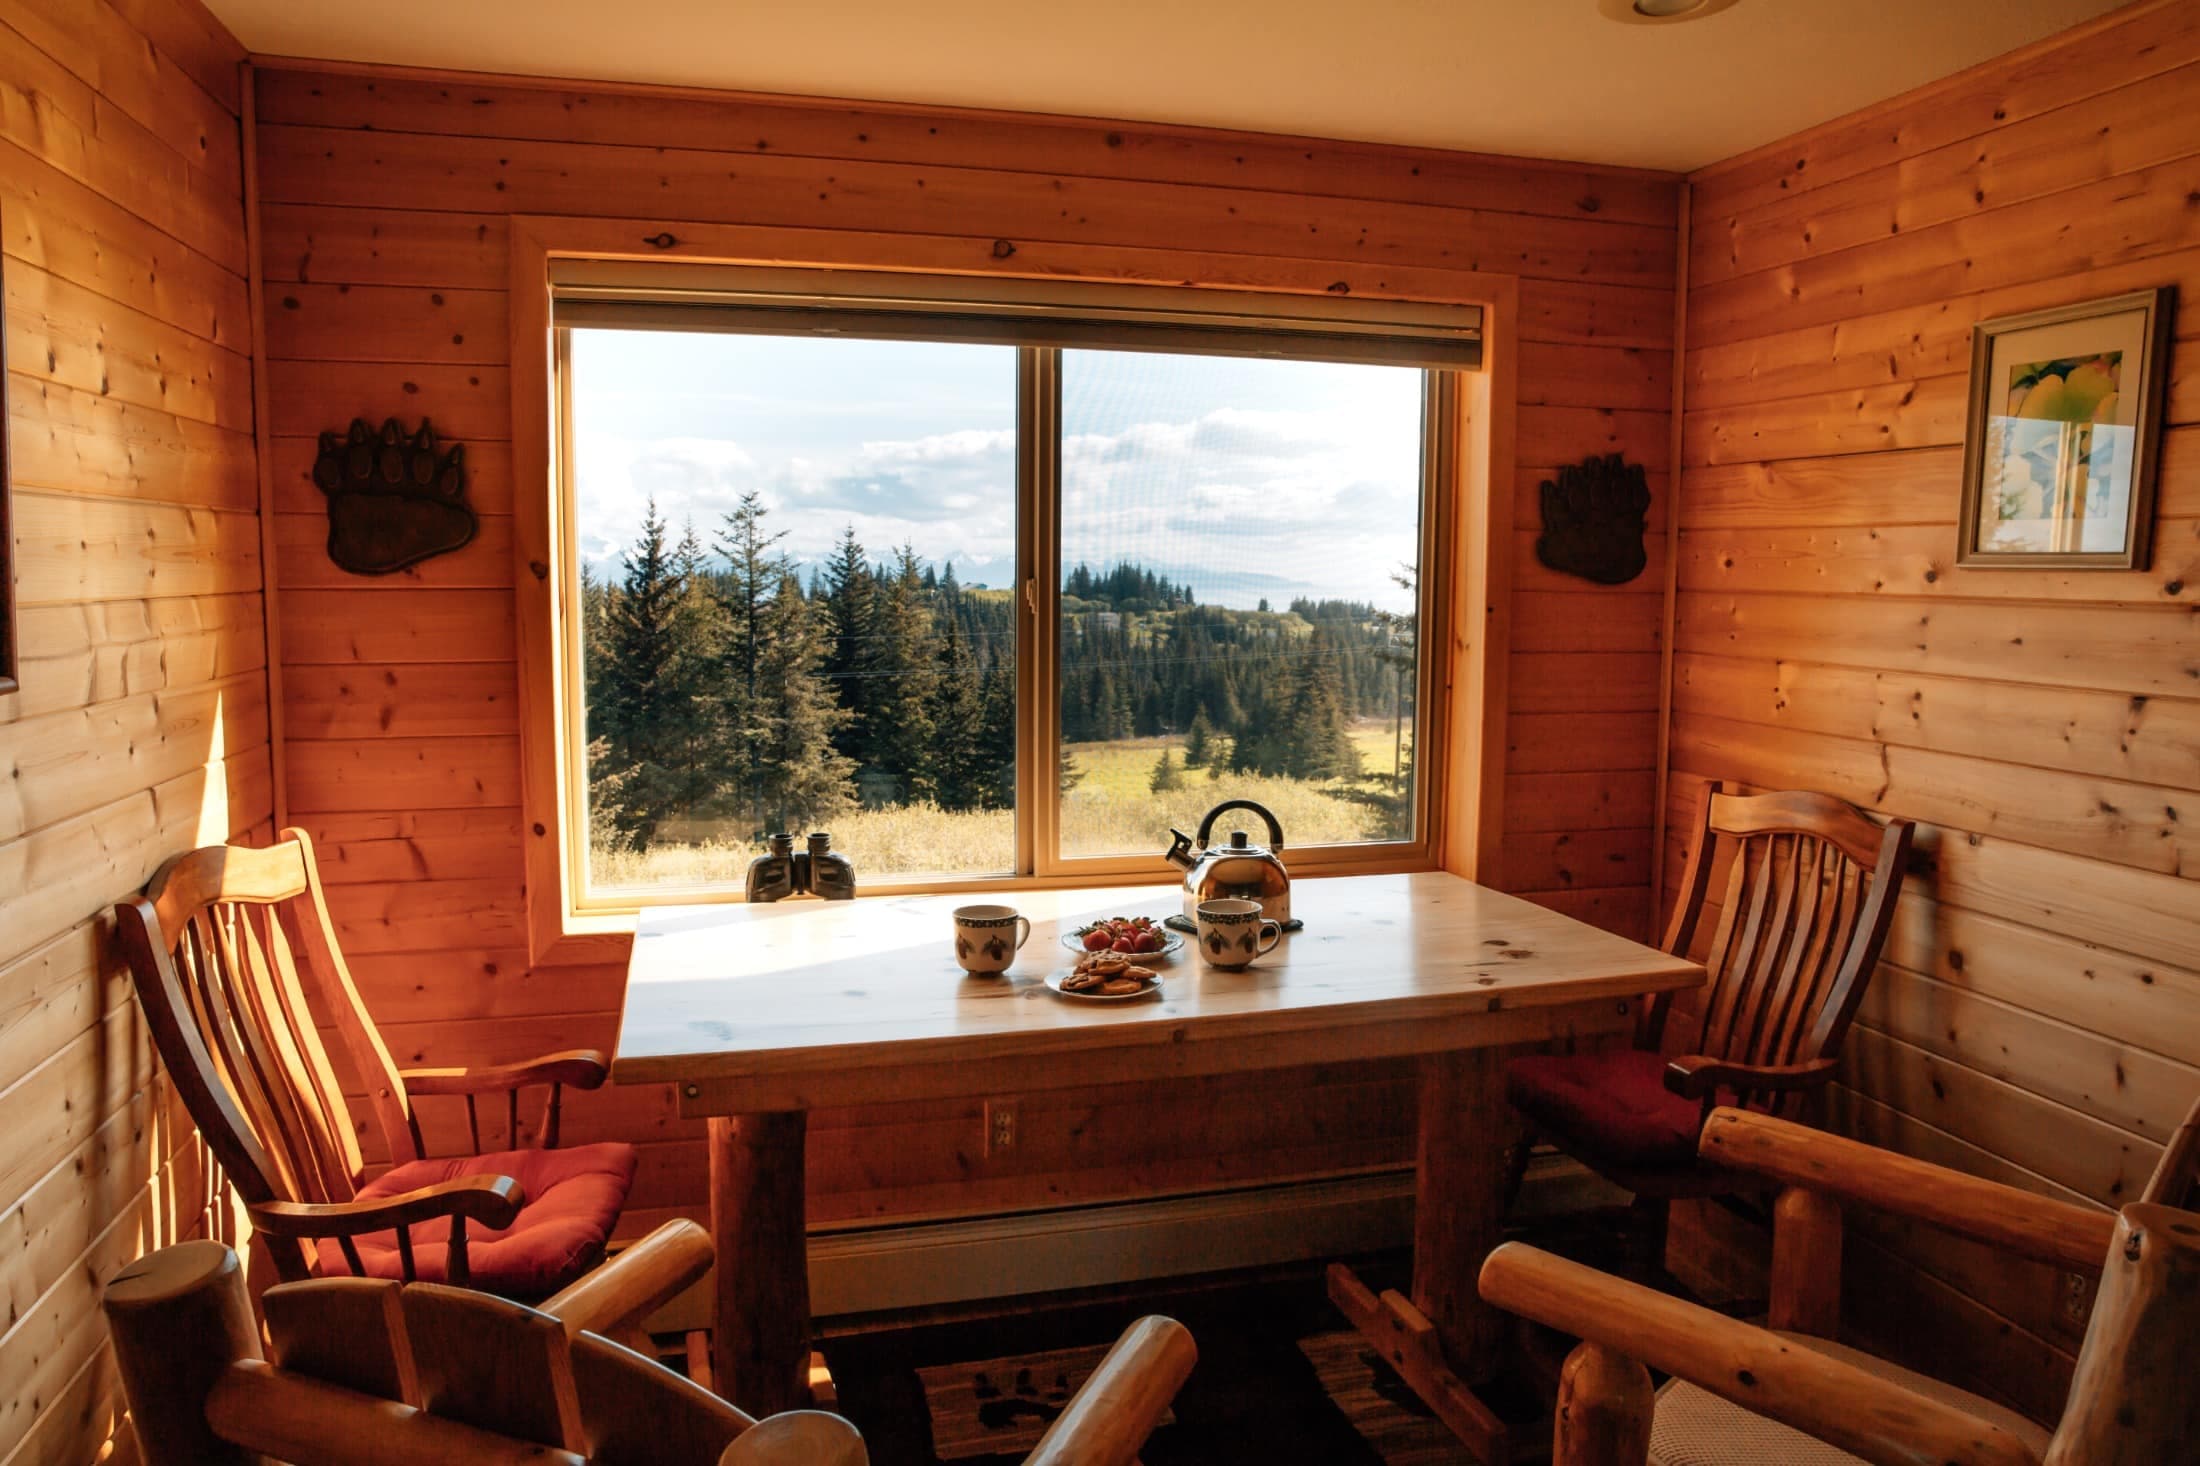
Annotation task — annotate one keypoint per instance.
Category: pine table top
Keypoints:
(805, 1004)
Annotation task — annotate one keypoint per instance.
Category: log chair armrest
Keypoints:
(1755, 1368)
(1698, 1076)
(610, 1299)
(576, 1068)
(798, 1438)
(2023, 1222)
(491, 1200)
(1107, 1421)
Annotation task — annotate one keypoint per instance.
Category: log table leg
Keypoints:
(760, 1326)
(1464, 1153)
(1445, 1335)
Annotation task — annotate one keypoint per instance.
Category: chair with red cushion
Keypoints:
(1809, 891)
(231, 949)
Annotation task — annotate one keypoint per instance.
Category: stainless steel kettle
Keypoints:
(1238, 868)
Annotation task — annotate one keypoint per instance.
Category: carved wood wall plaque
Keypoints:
(393, 500)
(1593, 518)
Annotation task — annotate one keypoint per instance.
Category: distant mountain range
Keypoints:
(1238, 590)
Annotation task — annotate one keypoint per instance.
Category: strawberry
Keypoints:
(1130, 935)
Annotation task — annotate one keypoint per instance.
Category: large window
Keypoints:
(810, 556)
(797, 558)
(1240, 542)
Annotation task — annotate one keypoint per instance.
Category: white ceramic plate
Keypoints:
(1171, 944)
(1054, 983)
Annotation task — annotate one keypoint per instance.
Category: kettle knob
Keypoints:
(1237, 840)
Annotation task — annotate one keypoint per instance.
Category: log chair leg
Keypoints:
(698, 1357)
(1604, 1408)
(1652, 1228)
(760, 1337)
(2131, 1396)
(1517, 1156)
(1806, 1264)
(179, 1318)
(1465, 1152)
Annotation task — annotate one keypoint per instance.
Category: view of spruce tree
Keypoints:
(728, 697)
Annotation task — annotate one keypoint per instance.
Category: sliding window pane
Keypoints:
(1240, 540)
(796, 561)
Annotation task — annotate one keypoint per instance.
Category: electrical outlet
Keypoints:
(2073, 1301)
(1000, 1127)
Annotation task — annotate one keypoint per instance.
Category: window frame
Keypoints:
(1466, 453)
(1439, 446)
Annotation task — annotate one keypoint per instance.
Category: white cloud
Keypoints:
(1326, 501)
(1239, 501)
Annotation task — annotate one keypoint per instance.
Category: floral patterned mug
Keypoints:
(1232, 932)
(987, 938)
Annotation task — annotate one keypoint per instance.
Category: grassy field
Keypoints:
(1110, 812)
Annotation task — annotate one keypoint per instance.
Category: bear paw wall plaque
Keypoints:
(1593, 517)
(393, 500)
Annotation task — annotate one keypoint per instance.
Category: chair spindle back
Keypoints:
(215, 947)
(1810, 891)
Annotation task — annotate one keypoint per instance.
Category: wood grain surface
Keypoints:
(849, 1001)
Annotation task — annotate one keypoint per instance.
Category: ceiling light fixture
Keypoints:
(1660, 12)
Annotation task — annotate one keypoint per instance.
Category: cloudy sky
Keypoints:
(1245, 477)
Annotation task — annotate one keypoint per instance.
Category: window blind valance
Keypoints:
(645, 295)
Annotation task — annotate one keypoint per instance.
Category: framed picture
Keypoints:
(2064, 428)
(8, 681)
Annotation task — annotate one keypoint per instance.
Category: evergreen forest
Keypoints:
(731, 691)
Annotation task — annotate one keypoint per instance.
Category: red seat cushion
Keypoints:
(569, 1202)
(1612, 1108)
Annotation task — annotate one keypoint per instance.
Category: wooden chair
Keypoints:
(1810, 889)
(217, 946)
(373, 1372)
(1787, 1395)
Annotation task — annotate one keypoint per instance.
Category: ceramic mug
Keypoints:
(1232, 932)
(987, 938)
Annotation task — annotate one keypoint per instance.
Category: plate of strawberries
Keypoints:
(1127, 936)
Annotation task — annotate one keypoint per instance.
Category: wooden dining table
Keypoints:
(758, 1014)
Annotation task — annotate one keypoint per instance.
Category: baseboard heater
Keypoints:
(884, 1269)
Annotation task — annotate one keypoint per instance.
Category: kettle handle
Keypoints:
(1275, 829)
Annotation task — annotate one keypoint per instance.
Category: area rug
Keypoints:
(1280, 1378)
(1382, 1409)
(1002, 1406)
(981, 1392)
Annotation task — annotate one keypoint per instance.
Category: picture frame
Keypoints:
(8, 671)
(2063, 435)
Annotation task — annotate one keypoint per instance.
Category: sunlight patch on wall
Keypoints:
(214, 826)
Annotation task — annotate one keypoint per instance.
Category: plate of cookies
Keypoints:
(1106, 977)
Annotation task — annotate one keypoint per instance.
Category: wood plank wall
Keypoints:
(385, 203)
(2038, 1018)
(142, 723)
